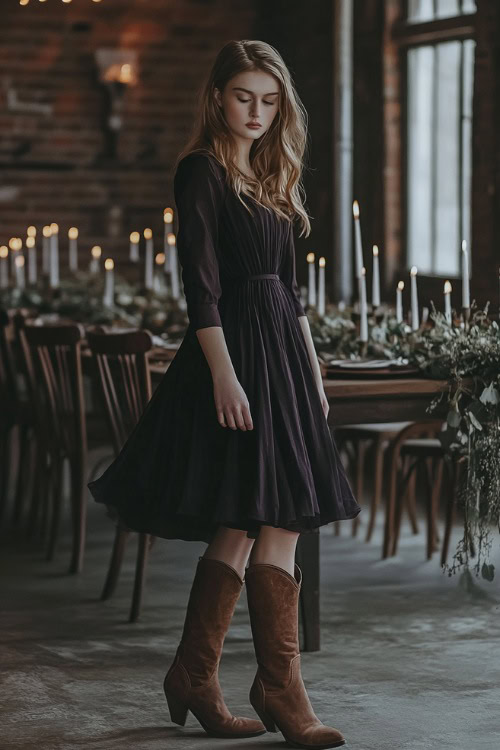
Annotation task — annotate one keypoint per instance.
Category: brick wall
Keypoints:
(52, 165)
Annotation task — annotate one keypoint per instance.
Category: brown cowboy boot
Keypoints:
(278, 693)
(192, 682)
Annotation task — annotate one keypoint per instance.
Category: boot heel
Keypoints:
(266, 720)
(178, 711)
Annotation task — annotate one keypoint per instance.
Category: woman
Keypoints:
(234, 447)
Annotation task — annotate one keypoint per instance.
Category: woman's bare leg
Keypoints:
(232, 546)
(275, 547)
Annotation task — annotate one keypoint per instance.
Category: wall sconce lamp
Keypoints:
(117, 71)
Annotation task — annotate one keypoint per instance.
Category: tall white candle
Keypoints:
(46, 232)
(363, 306)
(73, 249)
(168, 218)
(174, 269)
(4, 267)
(321, 286)
(109, 283)
(358, 245)
(465, 276)
(148, 260)
(159, 268)
(54, 255)
(375, 279)
(20, 275)
(15, 244)
(414, 299)
(96, 253)
(399, 301)
(31, 247)
(134, 246)
(311, 292)
(447, 301)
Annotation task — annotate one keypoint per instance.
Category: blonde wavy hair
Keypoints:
(277, 159)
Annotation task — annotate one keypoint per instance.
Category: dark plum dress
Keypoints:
(181, 474)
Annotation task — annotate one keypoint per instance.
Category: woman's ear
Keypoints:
(218, 98)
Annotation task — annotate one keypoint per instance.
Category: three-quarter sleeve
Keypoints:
(287, 272)
(199, 193)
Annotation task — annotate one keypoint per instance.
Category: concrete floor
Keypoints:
(410, 658)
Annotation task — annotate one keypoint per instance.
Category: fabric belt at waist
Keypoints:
(257, 276)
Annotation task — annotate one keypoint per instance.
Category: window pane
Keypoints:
(420, 78)
(439, 158)
(420, 10)
(447, 218)
(428, 10)
(469, 6)
(447, 8)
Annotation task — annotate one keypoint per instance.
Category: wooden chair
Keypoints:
(16, 417)
(55, 364)
(361, 437)
(419, 443)
(125, 384)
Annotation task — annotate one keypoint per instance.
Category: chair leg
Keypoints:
(121, 539)
(4, 472)
(79, 508)
(57, 502)
(146, 542)
(411, 502)
(22, 474)
(394, 454)
(436, 494)
(377, 491)
(408, 471)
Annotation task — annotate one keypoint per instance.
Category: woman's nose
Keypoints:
(255, 109)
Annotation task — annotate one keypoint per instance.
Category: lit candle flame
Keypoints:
(310, 257)
(160, 259)
(355, 209)
(363, 271)
(413, 271)
(73, 233)
(168, 216)
(171, 239)
(401, 285)
(31, 231)
(4, 251)
(19, 261)
(30, 242)
(109, 264)
(96, 252)
(54, 228)
(135, 237)
(322, 262)
(375, 250)
(47, 231)
(148, 233)
(447, 287)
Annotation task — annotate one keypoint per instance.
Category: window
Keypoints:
(439, 141)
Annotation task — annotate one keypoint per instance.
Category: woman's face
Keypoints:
(251, 97)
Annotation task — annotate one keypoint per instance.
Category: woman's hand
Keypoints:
(231, 403)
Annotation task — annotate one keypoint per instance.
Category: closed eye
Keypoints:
(244, 101)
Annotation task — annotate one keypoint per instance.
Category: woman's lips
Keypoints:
(253, 125)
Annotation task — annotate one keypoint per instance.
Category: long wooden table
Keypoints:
(357, 401)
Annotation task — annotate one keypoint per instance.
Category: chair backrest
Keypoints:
(56, 373)
(124, 377)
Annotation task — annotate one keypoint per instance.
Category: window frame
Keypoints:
(406, 35)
